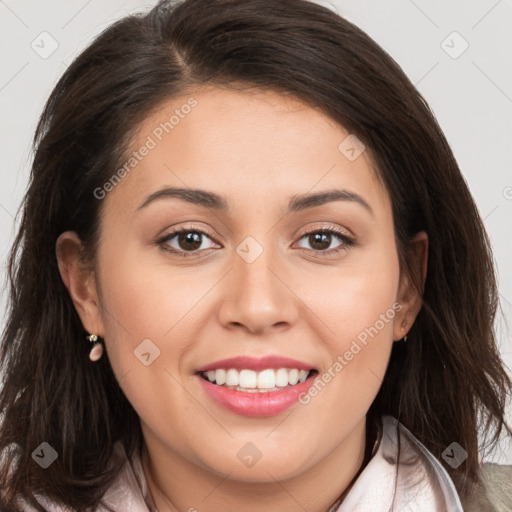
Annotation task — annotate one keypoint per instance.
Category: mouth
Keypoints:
(256, 387)
(246, 380)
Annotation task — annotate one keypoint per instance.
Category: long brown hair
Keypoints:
(444, 383)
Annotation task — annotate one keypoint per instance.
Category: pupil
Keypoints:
(190, 240)
(322, 239)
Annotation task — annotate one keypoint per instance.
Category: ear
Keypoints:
(79, 281)
(408, 296)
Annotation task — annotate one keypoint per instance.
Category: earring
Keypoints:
(97, 349)
(404, 339)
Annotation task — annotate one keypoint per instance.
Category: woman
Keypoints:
(249, 275)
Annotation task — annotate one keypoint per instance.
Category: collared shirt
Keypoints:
(401, 476)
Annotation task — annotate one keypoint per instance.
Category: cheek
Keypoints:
(358, 305)
(152, 315)
(356, 297)
(139, 307)
(143, 299)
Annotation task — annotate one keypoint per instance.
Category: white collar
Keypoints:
(418, 483)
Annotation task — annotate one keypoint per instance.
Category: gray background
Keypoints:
(469, 91)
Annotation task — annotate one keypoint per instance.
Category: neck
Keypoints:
(176, 484)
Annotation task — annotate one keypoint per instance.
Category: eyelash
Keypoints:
(347, 242)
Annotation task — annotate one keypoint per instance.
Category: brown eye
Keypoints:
(185, 240)
(321, 240)
(189, 241)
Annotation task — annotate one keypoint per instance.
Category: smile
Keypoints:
(250, 381)
(255, 387)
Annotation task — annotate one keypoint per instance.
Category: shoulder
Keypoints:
(495, 494)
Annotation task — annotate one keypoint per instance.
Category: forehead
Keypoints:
(252, 145)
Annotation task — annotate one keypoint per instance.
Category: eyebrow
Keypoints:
(218, 202)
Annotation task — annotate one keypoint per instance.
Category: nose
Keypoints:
(258, 296)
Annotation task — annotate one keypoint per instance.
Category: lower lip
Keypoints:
(256, 404)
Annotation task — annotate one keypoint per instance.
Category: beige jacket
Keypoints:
(496, 494)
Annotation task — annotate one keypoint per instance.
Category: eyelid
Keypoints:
(324, 227)
(188, 228)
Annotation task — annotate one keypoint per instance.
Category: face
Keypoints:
(262, 275)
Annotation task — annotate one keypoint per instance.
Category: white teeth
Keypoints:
(248, 379)
(293, 377)
(232, 378)
(220, 377)
(303, 375)
(266, 379)
(252, 381)
(282, 377)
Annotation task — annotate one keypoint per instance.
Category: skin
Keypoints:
(258, 149)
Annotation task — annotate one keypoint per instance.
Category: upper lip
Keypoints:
(253, 363)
